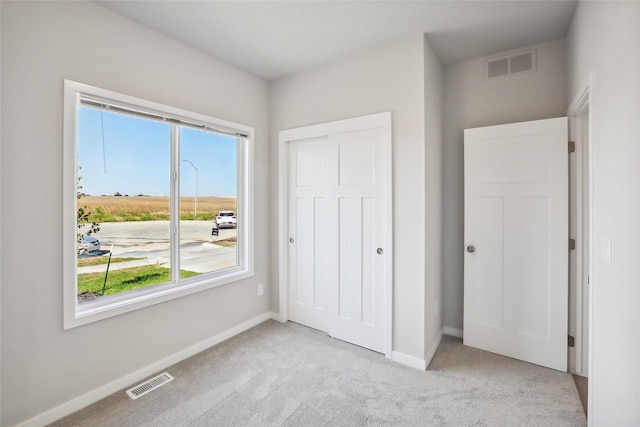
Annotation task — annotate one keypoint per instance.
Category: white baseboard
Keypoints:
(279, 317)
(454, 332)
(410, 361)
(432, 350)
(123, 382)
(414, 362)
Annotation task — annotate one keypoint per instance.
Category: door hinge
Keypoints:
(572, 147)
(572, 244)
(572, 341)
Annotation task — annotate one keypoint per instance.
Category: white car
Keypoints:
(88, 244)
(226, 219)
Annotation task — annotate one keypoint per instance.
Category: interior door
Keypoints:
(516, 241)
(309, 275)
(337, 224)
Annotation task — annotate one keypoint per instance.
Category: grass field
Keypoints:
(86, 262)
(127, 279)
(147, 208)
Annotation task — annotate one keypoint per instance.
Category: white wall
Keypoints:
(470, 101)
(388, 78)
(605, 38)
(42, 44)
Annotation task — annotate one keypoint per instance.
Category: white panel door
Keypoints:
(309, 228)
(516, 241)
(337, 222)
(358, 300)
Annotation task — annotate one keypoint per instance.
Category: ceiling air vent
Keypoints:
(498, 67)
(511, 64)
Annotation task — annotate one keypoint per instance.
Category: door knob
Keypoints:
(379, 251)
(471, 249)
(291, 240)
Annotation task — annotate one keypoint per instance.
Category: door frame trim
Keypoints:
(585, 100)
(373, 121)
(578, 112)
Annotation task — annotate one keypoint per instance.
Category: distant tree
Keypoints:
(118, 194)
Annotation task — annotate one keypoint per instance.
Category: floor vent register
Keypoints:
(149, 385)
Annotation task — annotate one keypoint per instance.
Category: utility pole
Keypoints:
(195, 215)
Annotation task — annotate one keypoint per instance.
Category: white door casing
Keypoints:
(337, 205)
(580, 230)
(516, 218)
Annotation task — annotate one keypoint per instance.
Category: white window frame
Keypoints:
(105, 307)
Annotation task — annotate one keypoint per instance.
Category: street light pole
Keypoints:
(196, 200)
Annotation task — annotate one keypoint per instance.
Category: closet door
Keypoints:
(337, 235)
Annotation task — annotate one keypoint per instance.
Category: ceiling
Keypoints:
(273, 39)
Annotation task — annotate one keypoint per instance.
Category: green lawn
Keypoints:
(85, 262)
(127, 279)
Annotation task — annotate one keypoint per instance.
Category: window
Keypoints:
(157, 203)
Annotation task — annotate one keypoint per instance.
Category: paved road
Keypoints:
(149, 241)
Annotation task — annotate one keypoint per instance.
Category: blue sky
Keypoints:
(135, 157)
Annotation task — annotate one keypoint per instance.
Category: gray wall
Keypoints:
(605, 38)
(470, 101)
(42, 44)
(433, 99)
(388, 78)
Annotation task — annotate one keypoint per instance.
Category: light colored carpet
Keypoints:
(286, 374)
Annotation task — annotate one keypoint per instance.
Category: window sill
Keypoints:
(110, 306)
